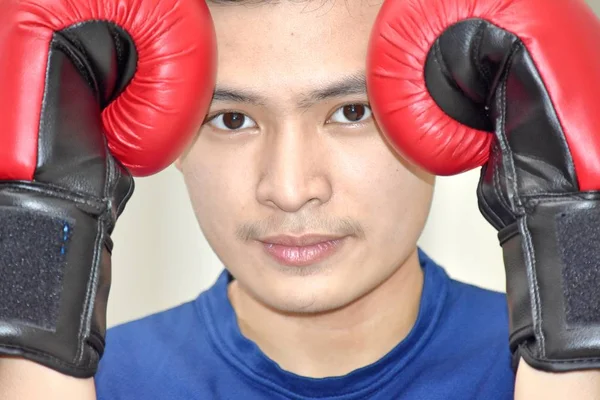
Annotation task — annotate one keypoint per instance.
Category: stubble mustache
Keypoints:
(299, 225)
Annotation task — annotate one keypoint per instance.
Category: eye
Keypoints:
(231, 121)
(351, 114)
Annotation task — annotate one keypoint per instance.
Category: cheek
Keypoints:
(218, 183)
(393, 197)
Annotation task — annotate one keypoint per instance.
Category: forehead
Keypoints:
(291, 43)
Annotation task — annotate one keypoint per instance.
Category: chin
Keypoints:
(313, 294)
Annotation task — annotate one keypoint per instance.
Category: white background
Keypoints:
(161, 258)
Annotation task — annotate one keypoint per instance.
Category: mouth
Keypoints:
(299, 251)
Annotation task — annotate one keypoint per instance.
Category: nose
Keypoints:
(294, 170)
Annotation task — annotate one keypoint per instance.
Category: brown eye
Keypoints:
(354, 112)
(232, 121)
(351, 114)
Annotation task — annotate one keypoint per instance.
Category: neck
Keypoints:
(337, 342)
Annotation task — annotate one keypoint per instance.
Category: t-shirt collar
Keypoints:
(245, 356)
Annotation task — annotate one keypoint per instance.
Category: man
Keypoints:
(316, 219)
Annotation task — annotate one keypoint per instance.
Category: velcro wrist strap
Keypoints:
(552, 261)
(53, 267)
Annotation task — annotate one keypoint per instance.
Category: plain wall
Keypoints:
(161, 258)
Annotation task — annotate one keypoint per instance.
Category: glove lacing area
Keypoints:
(55, 265)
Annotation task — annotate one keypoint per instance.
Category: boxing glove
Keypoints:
(512, 86)
(93, 93)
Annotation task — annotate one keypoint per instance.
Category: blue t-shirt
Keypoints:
(457, 349)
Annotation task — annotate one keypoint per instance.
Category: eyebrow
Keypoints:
(224, 93)
(346, 86)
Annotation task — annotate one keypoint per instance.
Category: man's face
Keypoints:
(292, 183)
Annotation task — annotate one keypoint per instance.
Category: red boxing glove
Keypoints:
(511, 85)
(92, 92)
(153, 90)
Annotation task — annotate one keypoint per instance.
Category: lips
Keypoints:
(301, 251)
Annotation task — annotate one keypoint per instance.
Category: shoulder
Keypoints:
(134, 346)
(169, 330)
(468, 305)
(478, 322)
(161, 329)
(472, 336)
(479, 314)
(477, 302)
(147, 357)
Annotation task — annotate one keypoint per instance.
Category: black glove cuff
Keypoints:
(54, 278)
(552, 261)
